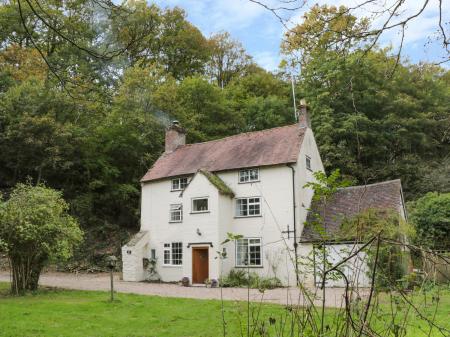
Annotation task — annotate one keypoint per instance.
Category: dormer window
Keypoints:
(178, 184)
(308, 163)
(248, 175)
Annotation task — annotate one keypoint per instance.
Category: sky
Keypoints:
(261, 32)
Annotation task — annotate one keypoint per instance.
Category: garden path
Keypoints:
(100, 281)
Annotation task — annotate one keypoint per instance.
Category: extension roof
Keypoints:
(348, 202)
(260, 148)
(217, 182)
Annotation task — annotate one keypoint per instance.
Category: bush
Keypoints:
(430, 215)
(239, 278)
(35, 229)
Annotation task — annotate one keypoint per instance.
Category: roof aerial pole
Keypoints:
(292, 66)
(293, 97)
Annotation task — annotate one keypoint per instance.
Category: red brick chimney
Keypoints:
(303, 119)
(175, 136)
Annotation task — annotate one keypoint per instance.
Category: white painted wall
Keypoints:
(132, 258)
(356, 269)
(304, 195)
(274, 188)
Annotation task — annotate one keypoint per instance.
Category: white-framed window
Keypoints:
(249, 252)
(200, 205)
(179, 184)
(176, 213)
(248, 206)
(249, 175)
(308, 162)
(173, 254)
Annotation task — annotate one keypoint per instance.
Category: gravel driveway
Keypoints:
(100, 281)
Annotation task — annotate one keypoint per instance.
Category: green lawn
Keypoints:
(83, 313)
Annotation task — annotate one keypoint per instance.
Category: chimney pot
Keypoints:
(175, 136)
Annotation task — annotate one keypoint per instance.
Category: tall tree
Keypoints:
(369, 121)
(151, 35)
(228, 59)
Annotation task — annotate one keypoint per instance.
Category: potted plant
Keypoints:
(185, 281)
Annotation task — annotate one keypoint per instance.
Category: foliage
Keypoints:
(324, 187)
(228, 59)
(35, 229)
(393, 259)
(218, 183)
(241, 278)
(372, 123)
(430, 215)
(325, 28)
(152, 35)
(89, 119)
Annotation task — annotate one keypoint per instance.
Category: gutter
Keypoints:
(294, 206)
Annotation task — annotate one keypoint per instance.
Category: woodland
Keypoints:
(87, 89)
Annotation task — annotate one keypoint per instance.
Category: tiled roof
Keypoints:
(348, 202)
(260, 148)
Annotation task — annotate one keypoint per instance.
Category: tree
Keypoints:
(391, 17)
(202, 108)
(150, 35)
(35, 228)
(228, 59)
(430, 215)
(324, 28)
(370, 122)
(262, 98)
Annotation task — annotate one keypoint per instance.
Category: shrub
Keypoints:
(239, 278)
(35, 229)
(430, 215)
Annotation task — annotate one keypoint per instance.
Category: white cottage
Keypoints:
(249, 184)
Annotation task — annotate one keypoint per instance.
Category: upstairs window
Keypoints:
(248, 252)
(248, 206)
(308, 163)
(178, 184)
(200, 205)
(176, 213)
(173, 254)
(249, 175)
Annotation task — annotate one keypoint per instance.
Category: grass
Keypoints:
(51, 312)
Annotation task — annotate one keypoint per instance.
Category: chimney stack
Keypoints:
(175, 136)
(303, 120)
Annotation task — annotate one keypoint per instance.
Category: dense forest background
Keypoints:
(87, 91)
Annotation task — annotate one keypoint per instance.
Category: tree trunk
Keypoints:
(25, 272)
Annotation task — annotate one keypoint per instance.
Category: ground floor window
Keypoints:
(173, 253)
(248, 252)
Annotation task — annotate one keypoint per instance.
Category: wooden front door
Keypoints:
(200, 264)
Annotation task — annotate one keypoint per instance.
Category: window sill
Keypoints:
(200, 212)
(249, 182)
(175, 221)
(247, 216)
(251, 267)
(172, 265)
(177, 190)
(310, 170)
